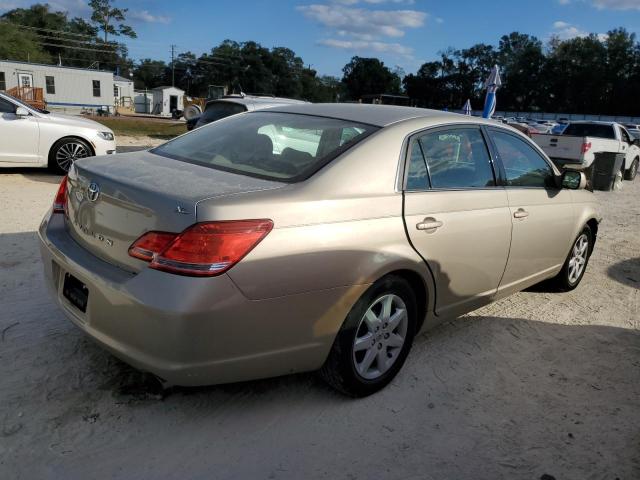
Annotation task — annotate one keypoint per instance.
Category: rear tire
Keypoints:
(374, 340)
(576, 263)
(633, 170)
(66, 151)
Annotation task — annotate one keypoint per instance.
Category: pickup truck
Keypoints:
(580, 141)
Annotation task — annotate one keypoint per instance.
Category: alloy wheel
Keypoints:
(578, 259)
(69, 152)
(380, 336)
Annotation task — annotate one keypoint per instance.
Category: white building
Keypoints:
(166, 100)
(67, 89)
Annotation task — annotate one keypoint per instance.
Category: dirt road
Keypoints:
(536, 384)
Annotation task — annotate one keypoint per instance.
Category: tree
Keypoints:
(20, 45)
(107, 18)
(364, 76)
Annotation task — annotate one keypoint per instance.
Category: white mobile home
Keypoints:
(67, 89)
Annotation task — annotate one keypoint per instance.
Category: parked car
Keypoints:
(581, 141)
(233, 104)
(633, 129)
(31, 137)
(233, 260)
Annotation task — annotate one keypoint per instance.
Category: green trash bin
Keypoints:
(605, 168)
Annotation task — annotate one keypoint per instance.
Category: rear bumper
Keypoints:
(193, 331)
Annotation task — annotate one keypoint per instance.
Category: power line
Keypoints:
(78, 48)
(64, 32)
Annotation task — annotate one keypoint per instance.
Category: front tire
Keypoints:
(66, 151)
(374, 340)
(633, 170)
(576, 263)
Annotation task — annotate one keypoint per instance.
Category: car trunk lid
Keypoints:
(114, 200)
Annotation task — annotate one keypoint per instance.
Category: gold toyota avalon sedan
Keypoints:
(308, 237)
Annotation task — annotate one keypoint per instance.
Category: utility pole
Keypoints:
(173, 66)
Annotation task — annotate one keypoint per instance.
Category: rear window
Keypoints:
(590, 130)
(275, 146)
(218, 110)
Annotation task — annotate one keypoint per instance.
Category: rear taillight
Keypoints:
(151, 243)
(60, 202)
(586, 146)
(204, 249)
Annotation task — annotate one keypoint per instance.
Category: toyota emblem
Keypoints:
(93, 191)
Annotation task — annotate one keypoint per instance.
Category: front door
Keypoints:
(542, 214)
(20, 135)
(25, 80)
(456, 217)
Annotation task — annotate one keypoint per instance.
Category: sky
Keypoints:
(327, 33)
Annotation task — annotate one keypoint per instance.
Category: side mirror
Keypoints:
(22, 112)
(574, 180)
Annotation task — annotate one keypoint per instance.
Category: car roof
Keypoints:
(376, 115)
(256, 99)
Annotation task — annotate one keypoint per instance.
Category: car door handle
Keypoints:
(520, 213)
(429, 224)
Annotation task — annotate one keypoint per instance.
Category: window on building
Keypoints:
(96, 88)
(51, 85)
(3, 83)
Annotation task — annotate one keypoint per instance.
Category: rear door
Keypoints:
(456, 216)
(542, 215)
(19, 136)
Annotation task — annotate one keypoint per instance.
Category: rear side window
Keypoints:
(456, 158)
(272, 145)
(590, 130)
(524, 166)
(218, 110)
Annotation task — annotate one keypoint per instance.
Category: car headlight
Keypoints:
(106, 135)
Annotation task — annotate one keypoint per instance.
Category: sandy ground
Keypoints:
(138, 141)
(537, 384)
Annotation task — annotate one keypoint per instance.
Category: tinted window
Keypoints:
(523, 165)
(51, 85)
(7, 107)
(277, 146)
(417, 177)
(96, 88)
(457, 158)
(590, 130)
(218, 110)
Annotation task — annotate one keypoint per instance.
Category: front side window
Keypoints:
(3, 82)
(6, 106)
(456, 158)
(51, 85)
(524, 166)
(96, 88)
(625, 136)
(271, 145)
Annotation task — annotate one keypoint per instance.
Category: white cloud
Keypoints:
(566, 31)
(617, 4)
(360, 21)
(608, 4)
(368, 46)
(374, 2)
(73, 7)
(147, 17)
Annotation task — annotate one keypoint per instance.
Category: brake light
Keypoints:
(202, 250)
(151, 243)
(60, 202)
(586, 146)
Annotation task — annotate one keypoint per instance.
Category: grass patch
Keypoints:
(162, 129)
